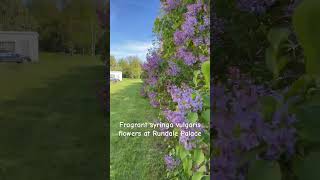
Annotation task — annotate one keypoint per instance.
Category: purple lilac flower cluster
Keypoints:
(183, 97)
(179, 118)
(188, 142)
(153, 99)
(188, 57)
(186, 103)
(151, 68)
(153, 61)
(173, 69)
(240, 127)
(169, 5)
(193, 29)
(255, 6)
(175, 117)
(171, 162)
(152, 80)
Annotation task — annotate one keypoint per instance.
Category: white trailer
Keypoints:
(23, 43)
(116, 74)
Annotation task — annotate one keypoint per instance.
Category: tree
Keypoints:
(130, 66)
(113, 64)
(124, 67)
(82, 25)
(51, 28)
(134, 67)
(68, 26)
(15, 17)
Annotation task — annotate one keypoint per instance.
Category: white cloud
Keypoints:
(131, 48)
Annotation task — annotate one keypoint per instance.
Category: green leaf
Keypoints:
(313, 99)
(197, 176)
(308, 168)
(183, 152)
(198, 156)
(281, 64)
(307, 27)
(205, 68)
(250, 156)
(192, 117)
(202, 169)
(309, 124)
(206, 116)
(275, 64)
(299, 86)
(276, 36)
(178, 149)
(264, 170)
(206, 177)
(187, 166)
(271, 58)
(206, 101)
(195, 77)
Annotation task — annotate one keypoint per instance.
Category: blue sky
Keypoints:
(131, 26)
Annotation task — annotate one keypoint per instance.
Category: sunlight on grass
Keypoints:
(134, 157)
(51, 120)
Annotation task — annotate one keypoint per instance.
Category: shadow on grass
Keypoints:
(55, 133)
(133, 157)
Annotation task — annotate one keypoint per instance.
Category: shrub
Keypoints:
(177, 81)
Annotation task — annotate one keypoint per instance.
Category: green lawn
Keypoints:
(52, 125)
(133, 158)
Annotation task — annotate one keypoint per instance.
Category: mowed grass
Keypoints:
(52, 125)
(16, 78)
(133, 158)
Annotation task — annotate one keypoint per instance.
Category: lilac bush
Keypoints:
(268, 115)
(195, 28)
(241, 127)
(151, 70)
(248, 117)
(182, 100)
(257, 99)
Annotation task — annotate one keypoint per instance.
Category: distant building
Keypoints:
(116, 74)
(23, 43)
